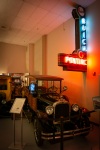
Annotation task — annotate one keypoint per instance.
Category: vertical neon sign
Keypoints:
(77, 61)
(80, 28)
(83, 34)
(82, 23)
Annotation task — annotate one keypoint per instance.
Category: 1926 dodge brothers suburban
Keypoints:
(54, 117)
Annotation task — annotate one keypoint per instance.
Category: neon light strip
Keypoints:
(83, 34)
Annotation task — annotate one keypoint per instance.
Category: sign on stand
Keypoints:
(17, 108)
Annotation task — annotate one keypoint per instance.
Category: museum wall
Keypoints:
(12, 58)
(93, 72)
(82, 87)
(38, 57)
(62, 40)
(30, 59)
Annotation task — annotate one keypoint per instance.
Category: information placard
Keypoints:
(17, 105)
(96, 103)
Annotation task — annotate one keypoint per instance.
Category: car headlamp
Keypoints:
(49, 110)
(75, 107)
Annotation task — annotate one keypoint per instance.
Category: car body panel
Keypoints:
(49, 126)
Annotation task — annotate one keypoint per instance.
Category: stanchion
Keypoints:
(14, 127)
(61, 141)
(21, 130)
(17, 145)
(99, 129)
(96, 103)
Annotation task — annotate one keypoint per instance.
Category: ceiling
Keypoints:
(25, 21)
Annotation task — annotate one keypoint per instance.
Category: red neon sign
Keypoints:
(73, 62)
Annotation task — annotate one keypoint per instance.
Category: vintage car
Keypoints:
(54, 117)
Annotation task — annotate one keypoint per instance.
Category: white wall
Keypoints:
(38, 57)
(12, 58)
(62, 40)
(93, 32)
(30, 59)
(81, 86)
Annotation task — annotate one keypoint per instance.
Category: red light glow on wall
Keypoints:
(73, 62)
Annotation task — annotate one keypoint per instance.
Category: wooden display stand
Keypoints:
(17, 109)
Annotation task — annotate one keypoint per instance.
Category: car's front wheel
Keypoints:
(85, 123)
(37, 132)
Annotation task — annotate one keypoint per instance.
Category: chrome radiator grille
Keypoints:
(61, 109)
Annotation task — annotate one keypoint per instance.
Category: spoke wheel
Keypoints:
(37, 132)
(86, 123)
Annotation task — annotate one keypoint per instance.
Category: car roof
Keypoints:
(45, 77)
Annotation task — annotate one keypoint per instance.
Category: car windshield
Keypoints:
(51, 96)
(47, 83)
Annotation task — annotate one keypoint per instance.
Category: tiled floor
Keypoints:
(91, 142)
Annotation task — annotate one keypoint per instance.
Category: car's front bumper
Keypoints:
(66, 134)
